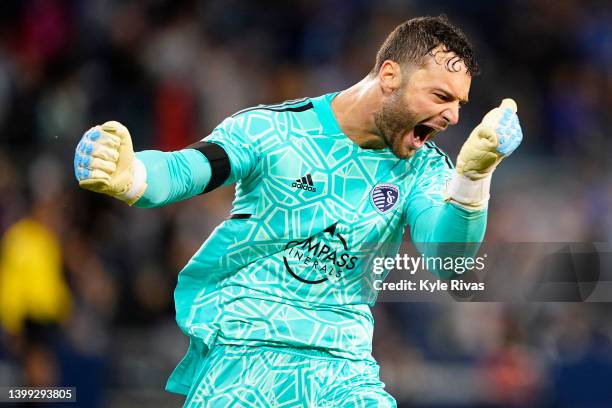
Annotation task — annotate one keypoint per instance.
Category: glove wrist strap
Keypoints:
(470, 194)
(138, 185)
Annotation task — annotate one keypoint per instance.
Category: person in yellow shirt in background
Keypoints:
(32, 285)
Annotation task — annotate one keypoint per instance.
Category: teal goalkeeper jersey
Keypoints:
(311, 210)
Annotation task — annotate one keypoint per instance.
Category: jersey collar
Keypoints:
(322, 106)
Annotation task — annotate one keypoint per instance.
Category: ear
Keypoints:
(390, 76)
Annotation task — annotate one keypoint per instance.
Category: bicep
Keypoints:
(426, 198)
(232, 154)
(433, 220)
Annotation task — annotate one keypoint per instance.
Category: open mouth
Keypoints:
(422, 132)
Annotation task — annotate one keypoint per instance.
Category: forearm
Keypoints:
(172, 176)
(449, 230)
(450, 223)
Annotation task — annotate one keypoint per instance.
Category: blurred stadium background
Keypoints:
(86, 282)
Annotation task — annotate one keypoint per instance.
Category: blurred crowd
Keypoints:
(86, 282)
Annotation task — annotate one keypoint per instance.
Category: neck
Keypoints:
(355, 108)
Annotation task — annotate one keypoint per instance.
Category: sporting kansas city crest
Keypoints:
(384, 197)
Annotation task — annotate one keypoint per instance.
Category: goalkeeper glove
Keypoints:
(104, 162)
(496, 137)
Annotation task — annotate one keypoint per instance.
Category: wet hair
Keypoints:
(414, 39)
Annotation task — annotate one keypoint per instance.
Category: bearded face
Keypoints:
(424, 104)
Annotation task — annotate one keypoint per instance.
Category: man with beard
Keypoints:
(273, 302)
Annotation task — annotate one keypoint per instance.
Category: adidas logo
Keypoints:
(305, 183)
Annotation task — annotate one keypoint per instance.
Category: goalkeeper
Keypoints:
(272, 302)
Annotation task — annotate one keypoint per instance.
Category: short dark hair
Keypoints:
(412, 40)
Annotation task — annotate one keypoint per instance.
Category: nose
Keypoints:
(451, 115)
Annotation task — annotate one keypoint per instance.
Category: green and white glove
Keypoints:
(495, 138)
(104, 162)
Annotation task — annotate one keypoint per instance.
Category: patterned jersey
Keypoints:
(311, 208)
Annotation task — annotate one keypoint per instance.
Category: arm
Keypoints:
(451, 221)
(432, 220)
(106, 163)
(439, 228)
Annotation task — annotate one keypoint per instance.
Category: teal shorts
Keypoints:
(243, 376)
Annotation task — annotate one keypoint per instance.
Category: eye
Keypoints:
(442, 97)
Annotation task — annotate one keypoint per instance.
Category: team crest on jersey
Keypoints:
(384, 197)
